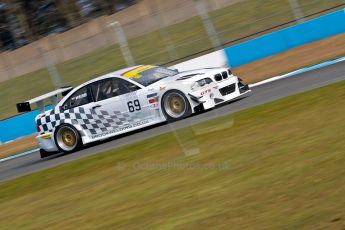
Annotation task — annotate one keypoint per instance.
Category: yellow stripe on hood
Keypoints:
(135, 73)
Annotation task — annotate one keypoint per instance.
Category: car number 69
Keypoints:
(133, 106)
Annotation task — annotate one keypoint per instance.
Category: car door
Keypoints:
(78, 109)
(108, 106)
(136, 102)
(118, 104)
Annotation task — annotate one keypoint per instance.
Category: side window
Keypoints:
(111, 88)
(125, 86)
(104, 89)
(77, 99)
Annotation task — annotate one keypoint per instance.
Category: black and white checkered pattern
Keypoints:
(92, 121)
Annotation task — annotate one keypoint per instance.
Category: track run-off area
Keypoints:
(270, 91)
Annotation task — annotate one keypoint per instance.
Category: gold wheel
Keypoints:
(67, 138)
(175, 105)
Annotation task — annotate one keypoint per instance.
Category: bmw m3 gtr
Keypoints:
(127, 100)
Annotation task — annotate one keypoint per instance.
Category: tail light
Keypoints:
(38, 128)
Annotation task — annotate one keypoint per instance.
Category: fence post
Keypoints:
(296, 10)
(7, 66)
(120, 35)
(207, 21)
(53, 73)
(164, 34)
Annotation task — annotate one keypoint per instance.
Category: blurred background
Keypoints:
(25, 21)
(78, 40)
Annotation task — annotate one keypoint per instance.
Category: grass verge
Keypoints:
(279, 165)
(243, 18)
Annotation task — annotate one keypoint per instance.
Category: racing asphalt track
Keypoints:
(260, 95)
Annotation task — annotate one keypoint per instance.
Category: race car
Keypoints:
(127, 100)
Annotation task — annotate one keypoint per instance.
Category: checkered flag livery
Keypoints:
(92, 121)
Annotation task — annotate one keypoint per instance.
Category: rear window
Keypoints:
(79, 98)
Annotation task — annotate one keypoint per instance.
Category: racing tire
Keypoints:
(67, 138)
(175, 105)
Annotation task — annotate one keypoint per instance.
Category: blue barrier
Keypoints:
(288, 38)
(18, 126)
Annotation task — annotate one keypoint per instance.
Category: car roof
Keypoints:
(118, 73)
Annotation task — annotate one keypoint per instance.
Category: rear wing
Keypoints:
(39, 101)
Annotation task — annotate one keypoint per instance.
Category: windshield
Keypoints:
(147, 75)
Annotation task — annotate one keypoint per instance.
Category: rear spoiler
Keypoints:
(39, 101)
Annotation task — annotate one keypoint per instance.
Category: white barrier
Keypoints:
(214, 59)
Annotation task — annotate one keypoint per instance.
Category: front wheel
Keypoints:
(67, 138)
(175, 105)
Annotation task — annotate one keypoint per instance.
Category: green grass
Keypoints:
(279, 165)
(189, 37)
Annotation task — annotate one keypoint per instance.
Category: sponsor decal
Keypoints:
(152, 95)
(80, 96)
(154, 105)
(153, 100)
(120, 129)
(131, 94)
(205, 92)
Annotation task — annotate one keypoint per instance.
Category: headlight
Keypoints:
(201, 83)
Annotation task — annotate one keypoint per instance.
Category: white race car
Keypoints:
(127, 100)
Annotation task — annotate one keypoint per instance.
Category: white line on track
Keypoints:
(318, 66)
(18, 155)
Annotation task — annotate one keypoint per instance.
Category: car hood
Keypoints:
(191, 75)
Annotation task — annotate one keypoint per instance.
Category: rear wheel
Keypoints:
(175, 105)
(67, 138)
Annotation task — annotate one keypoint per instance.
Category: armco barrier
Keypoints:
(282, 40)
